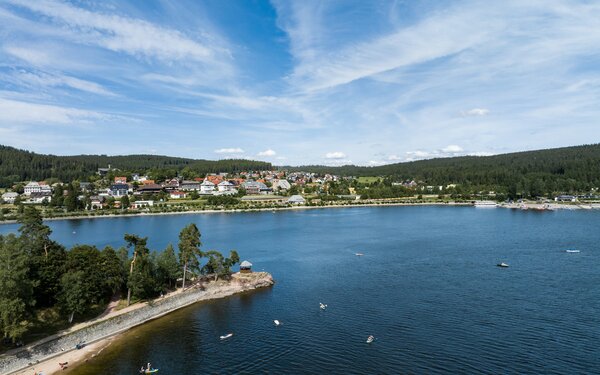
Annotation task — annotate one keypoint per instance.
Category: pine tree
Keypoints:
(167, 266)
(189, 249)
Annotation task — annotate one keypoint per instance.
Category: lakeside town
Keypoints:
(113, 192)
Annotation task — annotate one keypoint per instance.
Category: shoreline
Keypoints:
(105, 329)
(237, 210)
(533, 206)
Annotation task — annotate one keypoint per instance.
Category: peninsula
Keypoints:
(80, 296)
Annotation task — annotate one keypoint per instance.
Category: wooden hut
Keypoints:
(245, 267)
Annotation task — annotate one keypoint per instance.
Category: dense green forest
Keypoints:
(565, 169)
(40, 278)
(19, 165)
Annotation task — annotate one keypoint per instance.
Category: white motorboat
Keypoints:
(359, 254)
(276, 322)
(224, 337)
(370, 339)
(573, 251)
(503, 265)
(322, 306)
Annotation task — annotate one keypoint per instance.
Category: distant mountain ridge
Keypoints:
(20, 165)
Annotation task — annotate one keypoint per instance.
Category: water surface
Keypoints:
(427, 288)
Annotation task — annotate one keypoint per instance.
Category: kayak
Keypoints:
(226, 336)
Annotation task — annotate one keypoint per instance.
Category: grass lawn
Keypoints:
(368, 179)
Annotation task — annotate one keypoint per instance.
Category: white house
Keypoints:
(32, 187)
(39, 197)
(177, 194)
(225, 186)
(46, 189)
(9, 197)
(282, 185)
(296, 199)
(140, 204)
(207, 187)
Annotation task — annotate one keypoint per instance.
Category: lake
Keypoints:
(427, 288)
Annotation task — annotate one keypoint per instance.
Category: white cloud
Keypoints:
(452, 149)
(434, 37)
(335, 155)
(124, 34)
(233, 150)
(268, 152)
(12, 111)
(40, 79)
(476, 112)
(34, 57)
(394, 158)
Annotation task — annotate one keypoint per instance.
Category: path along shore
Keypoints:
(45, 355)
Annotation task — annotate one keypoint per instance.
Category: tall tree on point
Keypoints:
(139, 250)
(189, 249)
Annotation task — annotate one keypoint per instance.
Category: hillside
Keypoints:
(561, 169)
(19, 165)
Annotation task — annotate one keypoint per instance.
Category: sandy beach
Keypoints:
(73, 358)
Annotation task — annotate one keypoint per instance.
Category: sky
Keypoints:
(299, 82)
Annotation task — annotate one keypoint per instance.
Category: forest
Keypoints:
(20, 165)
(45, 287)
(530, 173)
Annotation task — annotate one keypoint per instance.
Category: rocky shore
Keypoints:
(45, 355)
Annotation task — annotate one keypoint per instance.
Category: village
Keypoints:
(111, 188)
(111, 191)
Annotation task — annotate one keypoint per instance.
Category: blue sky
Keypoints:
(299, 82)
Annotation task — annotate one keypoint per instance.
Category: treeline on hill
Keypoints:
(19, 165)
(39, 277)
(532, 173)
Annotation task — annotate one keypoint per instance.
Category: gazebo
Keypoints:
(245, 267)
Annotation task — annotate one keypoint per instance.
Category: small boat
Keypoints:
(572, 251)
(359, 254)
(504, 265)
(370, 339)
(148, 370)
(226, 336)
(277, 322)
(322, 306)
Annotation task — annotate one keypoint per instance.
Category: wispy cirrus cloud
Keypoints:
(129, 35)
(36, 79)
(14, 111)
(387, 81)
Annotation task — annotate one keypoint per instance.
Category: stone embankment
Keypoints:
(114, 324)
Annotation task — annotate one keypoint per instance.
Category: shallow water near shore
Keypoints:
(427, 288)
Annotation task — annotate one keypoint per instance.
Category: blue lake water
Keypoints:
(427, 288)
